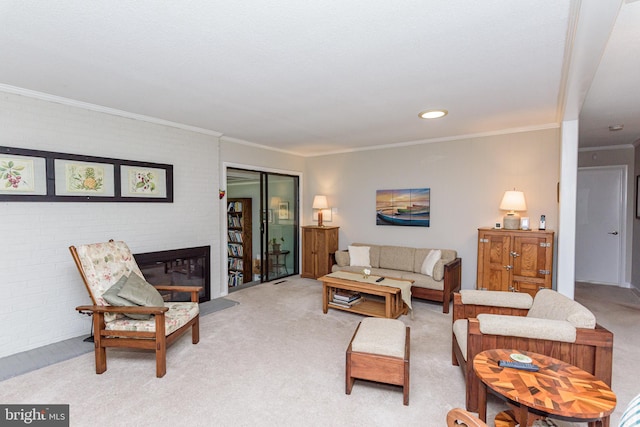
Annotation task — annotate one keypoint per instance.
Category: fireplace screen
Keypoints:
(178, 267)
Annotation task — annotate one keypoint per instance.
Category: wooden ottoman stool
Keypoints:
(379, 351)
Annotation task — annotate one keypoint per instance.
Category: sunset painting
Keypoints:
(407, 207)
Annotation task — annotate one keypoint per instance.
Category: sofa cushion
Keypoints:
(447, 255)
(374, 254)
(460, 328)
(549, 304)
(397, 257)
(359, 256)
(179, 314)
(527, 327)
(496, 298)
(342, 258)
(430, 262)
(423, 281)
(438, 270)
(380, 336)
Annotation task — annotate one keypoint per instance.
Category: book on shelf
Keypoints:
(234, 207)
(346, 304)
(235, 278)
(345, 295)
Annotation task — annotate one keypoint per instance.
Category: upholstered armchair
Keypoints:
(550, 324)
(127, 311)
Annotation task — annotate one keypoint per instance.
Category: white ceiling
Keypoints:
(326, 76)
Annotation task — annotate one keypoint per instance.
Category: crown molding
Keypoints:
(444, 139)
(102, 109)
(231, 140)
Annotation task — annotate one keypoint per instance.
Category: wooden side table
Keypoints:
(558, 389)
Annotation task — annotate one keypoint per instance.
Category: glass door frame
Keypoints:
(259, 224)
(277, 261)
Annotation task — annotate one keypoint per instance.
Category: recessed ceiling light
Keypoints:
(433, 114)
(614, 128)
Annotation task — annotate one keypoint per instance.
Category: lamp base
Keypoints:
(511, 222)
(320, 218)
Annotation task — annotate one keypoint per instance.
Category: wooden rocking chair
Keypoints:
(101, 266)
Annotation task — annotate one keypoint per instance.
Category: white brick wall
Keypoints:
(39, 283)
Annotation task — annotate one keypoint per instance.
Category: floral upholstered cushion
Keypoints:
(179, 314)
(103, 265)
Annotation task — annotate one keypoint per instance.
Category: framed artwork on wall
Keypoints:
(143, 182)
(283, 210)
(74, 178)
(23, 175)
(404, 207)
(44, 176)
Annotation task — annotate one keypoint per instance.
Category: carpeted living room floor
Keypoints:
(275, 359)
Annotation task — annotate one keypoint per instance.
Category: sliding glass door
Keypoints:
(281, 225)
(273, 233)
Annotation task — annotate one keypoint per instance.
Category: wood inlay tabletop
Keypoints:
(557, 389)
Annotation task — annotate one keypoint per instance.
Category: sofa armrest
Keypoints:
(497, 298)
(527, 327)
(452, 282)
(467, 311)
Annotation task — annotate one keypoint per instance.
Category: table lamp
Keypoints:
(320, 202)
(512, 201)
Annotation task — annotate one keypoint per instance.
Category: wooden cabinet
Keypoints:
(239, 241)
(514, 260)
(318, 246)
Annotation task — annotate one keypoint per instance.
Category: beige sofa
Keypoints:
(406, 263)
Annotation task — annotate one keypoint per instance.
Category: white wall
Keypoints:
(39, 283)
(467, 179)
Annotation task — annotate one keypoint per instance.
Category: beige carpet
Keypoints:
(276, 360)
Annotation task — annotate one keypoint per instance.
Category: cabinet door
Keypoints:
(532, 257)
(326, 244)
(494, 261)
(529, 287)
(308, 253)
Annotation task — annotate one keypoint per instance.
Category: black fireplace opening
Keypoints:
(178, 267)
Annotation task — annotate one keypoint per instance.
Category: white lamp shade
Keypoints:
(513, 201)
(320, 202)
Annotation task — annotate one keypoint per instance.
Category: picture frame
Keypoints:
(23, 175)
(44, 176)
(137, 181)
(408, 207)
(283, 210)
(73, 178)
(637, 196)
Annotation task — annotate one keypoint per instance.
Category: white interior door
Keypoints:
(599, 224)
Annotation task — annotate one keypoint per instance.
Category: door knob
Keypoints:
(615, 233)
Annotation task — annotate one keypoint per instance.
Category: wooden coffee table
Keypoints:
(392, 307)
(558, 389)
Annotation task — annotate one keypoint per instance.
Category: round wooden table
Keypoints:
(558, 389)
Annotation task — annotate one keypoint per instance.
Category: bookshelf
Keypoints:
(239, 241)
